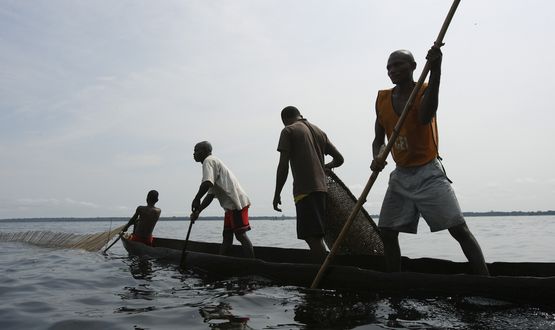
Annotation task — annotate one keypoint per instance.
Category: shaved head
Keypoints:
(202, 150)
(403, 55)
(204, 145)
(400, 67)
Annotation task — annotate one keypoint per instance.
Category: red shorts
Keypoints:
(237, 221)
(148, 240)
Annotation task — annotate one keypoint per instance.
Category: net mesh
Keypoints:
(89, 242)
(363, 236)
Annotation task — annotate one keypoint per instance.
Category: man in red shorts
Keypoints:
(218, 181)
(144, 220)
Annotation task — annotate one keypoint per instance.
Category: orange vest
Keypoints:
(417, 143)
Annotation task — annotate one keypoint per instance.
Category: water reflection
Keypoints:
(251, 302)
(221, 317)
(330, 309)
(141, 268)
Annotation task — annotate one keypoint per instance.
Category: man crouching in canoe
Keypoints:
(218, 181)
(144, 220)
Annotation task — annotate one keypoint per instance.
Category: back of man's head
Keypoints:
(152, 196)
(290, 112)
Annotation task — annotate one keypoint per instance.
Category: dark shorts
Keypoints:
(237, 221)
(311, 212)
(145, 240)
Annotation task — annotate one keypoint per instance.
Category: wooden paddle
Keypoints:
(114, 242)
(383, 155)
(120, 235)
(184, 252)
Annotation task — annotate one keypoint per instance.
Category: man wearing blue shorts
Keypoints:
(418, 186)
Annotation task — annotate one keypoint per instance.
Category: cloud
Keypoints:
(137, 160)
(96, 96)
(49, 202)
(526, 180)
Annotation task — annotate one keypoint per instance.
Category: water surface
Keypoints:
(44, 288)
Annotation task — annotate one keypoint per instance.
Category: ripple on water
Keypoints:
(93, 291)
(85, 325)
(33, 307)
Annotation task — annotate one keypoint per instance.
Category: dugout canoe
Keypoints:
(525, 282)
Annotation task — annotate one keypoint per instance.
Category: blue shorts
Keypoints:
(422, 190)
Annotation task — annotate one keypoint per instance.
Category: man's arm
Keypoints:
(430, 100)
(133, 219)
(202, 190)
(205, 202)
(378, 145)
(337, 158)
(281, 177)
(197, 206)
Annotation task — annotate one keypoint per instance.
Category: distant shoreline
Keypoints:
(275, 218)
(511, 213)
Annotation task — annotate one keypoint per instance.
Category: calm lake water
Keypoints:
(43, 288)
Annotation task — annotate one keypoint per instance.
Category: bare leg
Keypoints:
(391, 249)
(248, 250)
(471, 248)
(226, 243)
(317, 248)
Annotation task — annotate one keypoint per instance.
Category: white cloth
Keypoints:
(226, 187)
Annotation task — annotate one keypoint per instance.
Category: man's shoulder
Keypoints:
(143, 210)
(211, 160)
(293, 129)
(385, 91)
(293, 126)
(316, 127)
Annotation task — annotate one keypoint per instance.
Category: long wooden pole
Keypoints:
(383, 155)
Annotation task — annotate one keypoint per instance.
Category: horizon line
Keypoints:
(285, 217)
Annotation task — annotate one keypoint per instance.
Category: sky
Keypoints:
(101, 101)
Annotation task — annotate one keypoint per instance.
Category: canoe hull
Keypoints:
(368, 276)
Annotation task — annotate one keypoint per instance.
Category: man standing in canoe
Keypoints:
(418, 185)
(303, 145)
(218, 181)
(144, 220)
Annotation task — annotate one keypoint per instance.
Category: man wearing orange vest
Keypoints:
(418, 185)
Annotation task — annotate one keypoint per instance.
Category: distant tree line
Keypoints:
(277, 218)
(511, 213)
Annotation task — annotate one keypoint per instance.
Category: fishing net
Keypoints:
(363, 236)
(89, 242)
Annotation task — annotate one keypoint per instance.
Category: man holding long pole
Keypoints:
(418, 185)
(382, 155)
